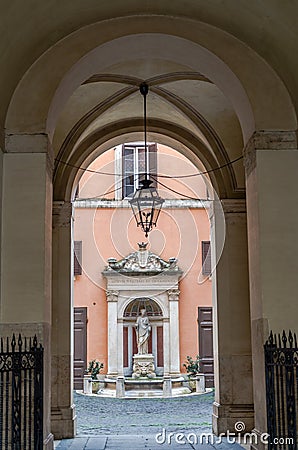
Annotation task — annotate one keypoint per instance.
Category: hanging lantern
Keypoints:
(146, 204)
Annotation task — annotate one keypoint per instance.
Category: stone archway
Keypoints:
(27, 304)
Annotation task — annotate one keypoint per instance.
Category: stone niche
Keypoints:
(143, 279)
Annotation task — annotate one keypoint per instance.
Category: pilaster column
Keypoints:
(26, 247)
(271, 167)
(63, 411)
(166, 346)
(112, 299)
(120, 345)
(231, 334)
(173, 296)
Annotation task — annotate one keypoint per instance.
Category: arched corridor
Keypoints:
(223, 93)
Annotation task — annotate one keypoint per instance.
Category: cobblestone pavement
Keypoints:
(98, 415)
(132, 424)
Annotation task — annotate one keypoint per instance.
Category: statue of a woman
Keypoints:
(143, 329)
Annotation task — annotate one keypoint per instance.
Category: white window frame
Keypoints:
(119, 167)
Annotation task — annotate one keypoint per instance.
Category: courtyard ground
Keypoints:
(98, 415)
(133, 424)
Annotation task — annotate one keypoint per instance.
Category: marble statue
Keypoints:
(143, 329)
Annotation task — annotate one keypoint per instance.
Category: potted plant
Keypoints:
(93, 371)
(193, 368)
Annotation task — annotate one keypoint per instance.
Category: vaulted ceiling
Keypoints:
(217, 71)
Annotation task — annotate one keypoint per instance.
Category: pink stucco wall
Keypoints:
(112, 233)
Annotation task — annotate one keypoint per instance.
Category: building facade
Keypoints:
(183, 235)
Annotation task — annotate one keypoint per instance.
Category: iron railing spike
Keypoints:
(20, 341)
(35, 341)
(284, 338)
(290, 339)
(13, 342)
(271, 338)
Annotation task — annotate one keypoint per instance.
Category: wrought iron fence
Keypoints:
(21, 394)
(281, 371)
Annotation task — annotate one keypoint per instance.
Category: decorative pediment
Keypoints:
(142, 261)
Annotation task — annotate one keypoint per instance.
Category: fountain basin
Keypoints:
(144, 387)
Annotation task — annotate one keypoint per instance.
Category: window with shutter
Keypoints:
(134, 166)
(128, 168)
(77, 258)
(206, 258)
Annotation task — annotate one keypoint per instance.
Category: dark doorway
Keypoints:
(206, 343)
(80, 346)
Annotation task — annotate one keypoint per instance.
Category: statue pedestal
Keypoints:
(143, 366)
